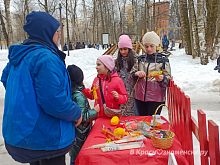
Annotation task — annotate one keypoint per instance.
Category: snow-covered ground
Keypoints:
(200, 82)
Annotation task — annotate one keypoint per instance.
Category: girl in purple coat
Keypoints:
(152, 71)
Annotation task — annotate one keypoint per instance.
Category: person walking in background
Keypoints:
(39, 115)
(165, 42)
(108, 88)
(172, 44)
(153, 72)
(88, 114)
(217, 67)
(124, 63)
(65, 47)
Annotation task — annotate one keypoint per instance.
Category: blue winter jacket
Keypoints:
(38, 110)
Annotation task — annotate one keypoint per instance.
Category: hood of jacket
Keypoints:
(41, 26)
(18, 52)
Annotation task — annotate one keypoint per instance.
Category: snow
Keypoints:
(200, 82)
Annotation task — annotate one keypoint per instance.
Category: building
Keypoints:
(162, 16)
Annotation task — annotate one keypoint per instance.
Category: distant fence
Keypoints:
(185, 126)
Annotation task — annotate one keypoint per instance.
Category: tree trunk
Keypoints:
(8, 22)
(216, 51)
(114, 30)
(120, 17)
(94, 22)
(5, 34)
(154, 17)
(26, 12)
(194, 29)
(212, 15)
(102, 19)
(73, 5)
(146, 16)
(106, 16)
(46, 6)
(217, 38)
(201, 31)
(185, 28)
(98, 18)
(85, 21)
(135, 22)
(67, 27)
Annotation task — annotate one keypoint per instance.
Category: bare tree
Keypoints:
(211, 29)
(194, 30)
(21, 9)
(185, 28)
(135, 15)
(114, 31)
(94, 36)
(73, 17)
(201, 21)
(217, 38)
(49, 6)
(8, 21)
(175, 18)
(5, 34)
(44, 5)
(146, 19)
(102, 17)
(153, 21)
(85, 31)
(67, 26)
(120, 16)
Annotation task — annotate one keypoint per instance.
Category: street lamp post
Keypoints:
(61, 24)
(67, 29)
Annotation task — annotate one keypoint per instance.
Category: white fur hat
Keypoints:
(151, 38)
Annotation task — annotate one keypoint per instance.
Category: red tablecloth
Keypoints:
(133, 156)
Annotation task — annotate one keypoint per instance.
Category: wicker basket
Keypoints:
(162, 143)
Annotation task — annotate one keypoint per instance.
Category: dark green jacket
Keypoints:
(88, 115)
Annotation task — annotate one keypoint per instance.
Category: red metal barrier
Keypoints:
(185, 126)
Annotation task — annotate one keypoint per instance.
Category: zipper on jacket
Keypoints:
(145, 90)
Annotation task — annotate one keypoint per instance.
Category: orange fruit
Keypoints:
(114, 120)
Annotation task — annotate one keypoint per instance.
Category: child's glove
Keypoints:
(86, 91)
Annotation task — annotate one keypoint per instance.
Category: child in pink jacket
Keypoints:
(112, 86)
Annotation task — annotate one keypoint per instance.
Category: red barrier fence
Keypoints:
(185, 126)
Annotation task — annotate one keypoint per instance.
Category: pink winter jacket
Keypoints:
(114, 83)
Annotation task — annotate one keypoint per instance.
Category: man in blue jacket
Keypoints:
(165, 42)
(39, 116)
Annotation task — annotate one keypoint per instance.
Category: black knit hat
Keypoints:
(76, 74)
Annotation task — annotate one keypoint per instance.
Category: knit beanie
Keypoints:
(76, 74)
(108, 61)
(151, 38)
(124, 42)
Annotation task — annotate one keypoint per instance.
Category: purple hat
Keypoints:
(124, 42)
(108, 61)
